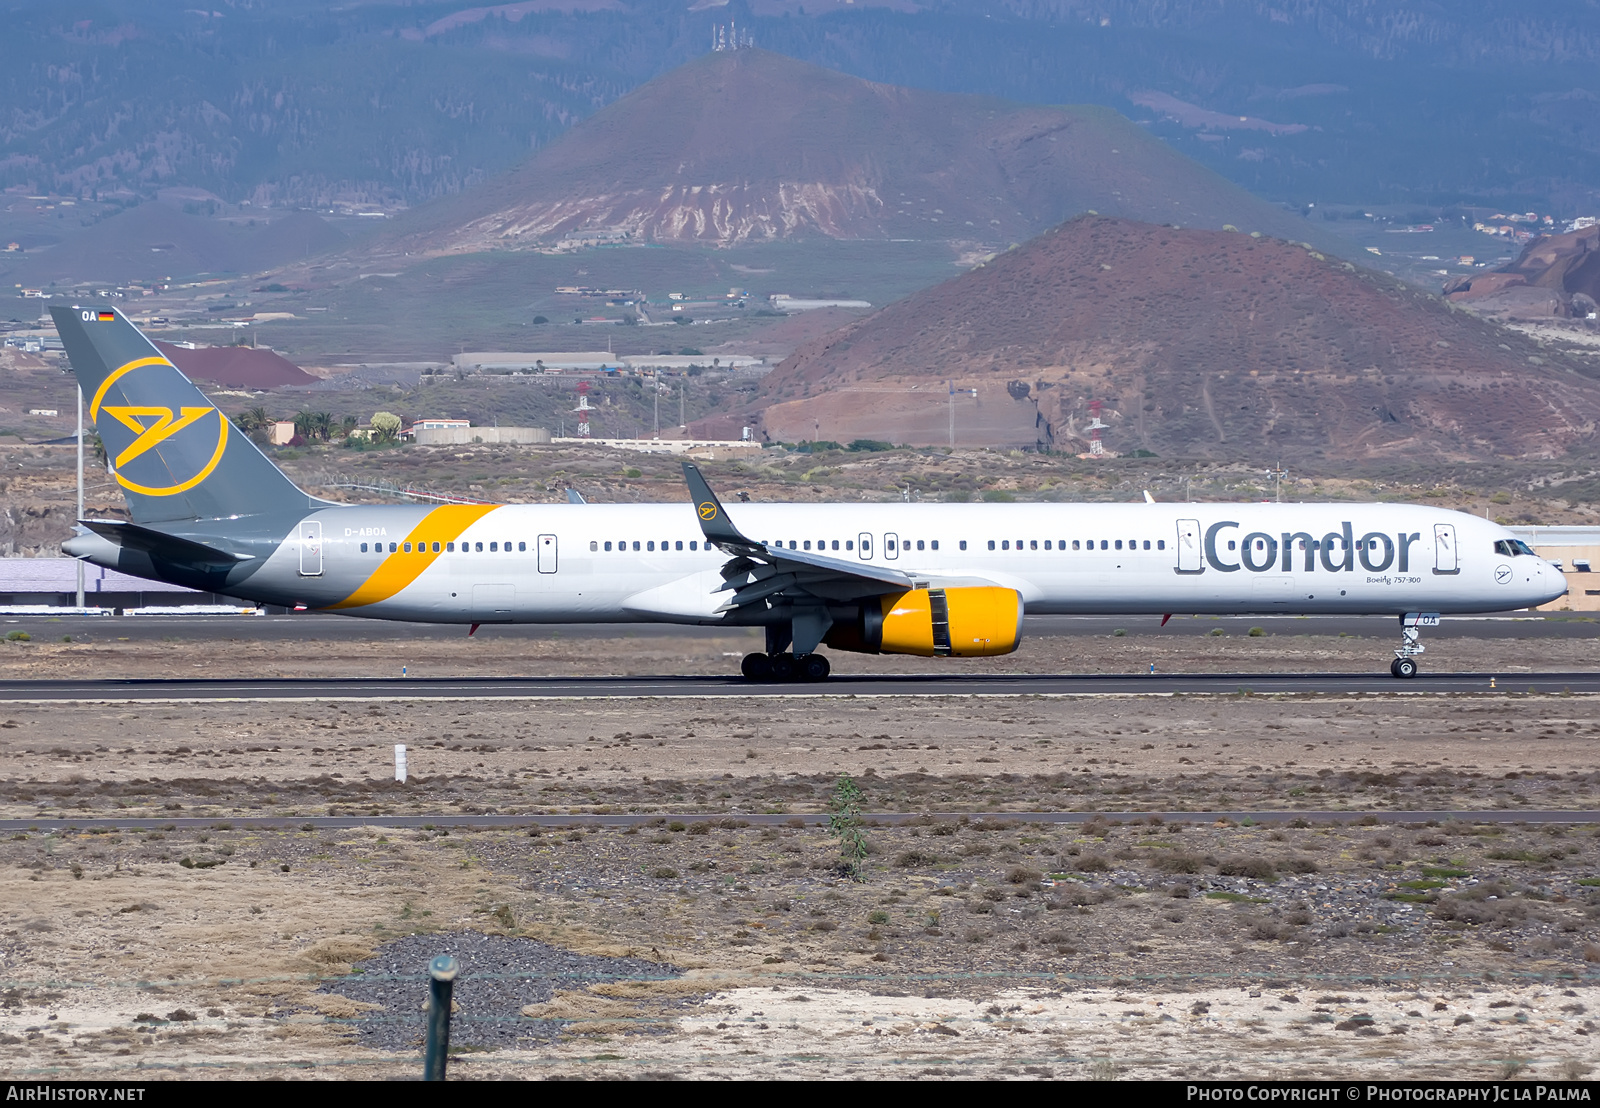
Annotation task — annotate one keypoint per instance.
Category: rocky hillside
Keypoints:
(752, 146)
(1556, 277)
(1199, 343)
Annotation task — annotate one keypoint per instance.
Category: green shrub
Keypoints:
(18, 636)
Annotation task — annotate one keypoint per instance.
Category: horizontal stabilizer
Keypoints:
(161, 546)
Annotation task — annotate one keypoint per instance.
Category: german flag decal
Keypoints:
(108, 317)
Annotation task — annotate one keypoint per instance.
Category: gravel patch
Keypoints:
(499, 974)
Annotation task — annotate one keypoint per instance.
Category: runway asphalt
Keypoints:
(322, 627)
(920, 685)
(762, 819)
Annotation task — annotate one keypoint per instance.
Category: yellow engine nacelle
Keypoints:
(977, 622)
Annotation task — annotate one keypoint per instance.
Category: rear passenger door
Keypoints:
(547, 553)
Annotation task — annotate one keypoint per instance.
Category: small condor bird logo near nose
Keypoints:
(1502, 574)
(708, 511)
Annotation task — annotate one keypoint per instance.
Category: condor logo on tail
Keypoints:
(198, 451)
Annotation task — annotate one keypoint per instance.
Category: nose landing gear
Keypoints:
(1404, 665)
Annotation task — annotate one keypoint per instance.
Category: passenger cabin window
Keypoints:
(391, 548)
(608, 548)
(363, 548)
(849, 544)
(479, 547)
(963, 544)
(934, 543)
(595, 546)
(991, 544)
(1033, 544)
(1161, 544)
(1005, 544)
(522, 546)
(1147, 544)
(1074, 544)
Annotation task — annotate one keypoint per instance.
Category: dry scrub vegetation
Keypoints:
(977, 945)
(974, 946)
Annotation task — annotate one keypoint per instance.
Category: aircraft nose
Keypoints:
(1553, 579)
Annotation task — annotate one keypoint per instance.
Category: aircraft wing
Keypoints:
(758, 573)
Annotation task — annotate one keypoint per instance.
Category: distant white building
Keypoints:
(785, 303)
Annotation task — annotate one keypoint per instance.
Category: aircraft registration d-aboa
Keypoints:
(209, 511)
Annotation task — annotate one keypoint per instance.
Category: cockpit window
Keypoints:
(1512, 547)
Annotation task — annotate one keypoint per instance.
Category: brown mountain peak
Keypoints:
(1199, 343)
(751, 146)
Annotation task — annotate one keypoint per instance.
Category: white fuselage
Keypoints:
(617, 563)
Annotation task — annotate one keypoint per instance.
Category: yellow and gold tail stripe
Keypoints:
(397, 570)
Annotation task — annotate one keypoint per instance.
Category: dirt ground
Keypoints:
(1359, 947)
(104, 651)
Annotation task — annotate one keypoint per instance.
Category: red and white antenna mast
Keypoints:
(583, 409)
(1096, 447)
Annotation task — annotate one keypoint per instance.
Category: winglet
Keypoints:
(714, 522)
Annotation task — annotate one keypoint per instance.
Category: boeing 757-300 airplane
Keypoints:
(211, 512)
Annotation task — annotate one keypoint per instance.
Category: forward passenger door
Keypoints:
(1189, 546)
(1445, 559)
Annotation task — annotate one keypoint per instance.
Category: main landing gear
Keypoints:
(785, 667)
(791, 650)
(1404, 665)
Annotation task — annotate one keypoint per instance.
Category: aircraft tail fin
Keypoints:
(174, 453)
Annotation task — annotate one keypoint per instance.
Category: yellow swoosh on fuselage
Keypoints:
(397, 570)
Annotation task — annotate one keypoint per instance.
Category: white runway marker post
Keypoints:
(400, 762)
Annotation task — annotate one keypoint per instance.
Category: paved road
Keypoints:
(456, 688)
(320, 823)
(321, 627)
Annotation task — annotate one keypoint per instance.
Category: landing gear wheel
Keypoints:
(756, 667)
(815, 667)
(1405, 668)
(1394, 668)
(783, 668)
